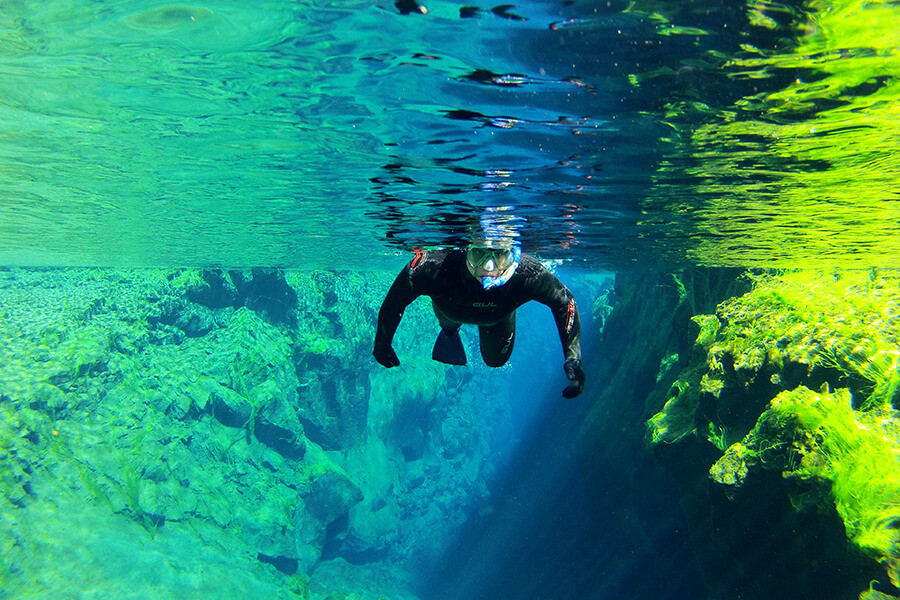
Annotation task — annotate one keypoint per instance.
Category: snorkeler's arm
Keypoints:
(548, 290)
(404, 290)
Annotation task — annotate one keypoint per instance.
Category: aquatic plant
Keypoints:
(841, 326)
(676, 420)
(750, 376)
(857, 453)
(718, 436)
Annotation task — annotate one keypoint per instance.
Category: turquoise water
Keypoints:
(267, 135)
(203, 205)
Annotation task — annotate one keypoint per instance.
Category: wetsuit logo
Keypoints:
(570, 316)
(484, 305)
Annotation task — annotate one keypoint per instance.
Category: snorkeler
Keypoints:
(481, 285)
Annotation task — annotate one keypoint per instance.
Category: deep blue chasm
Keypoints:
(550, 532)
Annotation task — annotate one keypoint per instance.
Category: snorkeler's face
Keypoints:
(489, 262)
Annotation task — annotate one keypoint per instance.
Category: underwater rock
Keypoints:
(835, 451)
(732, 468)
(676, 419)
(456, 435)
(49, 398)
(217, 291)
(668, 491)
(230, 408)
(277, 424)
(266, 292)
(331, 495)
(415, 474)
(284, 441)
(373, 525)
(324, 428)
(175, 410)
(333, 407)
(176, 312)
(372, 529)
(284, 564)
(309, 536)
(195, 321)
(327, 497)
(166, 335)
(272, 422)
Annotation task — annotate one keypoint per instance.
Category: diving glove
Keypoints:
(385, 355)
(575, 374)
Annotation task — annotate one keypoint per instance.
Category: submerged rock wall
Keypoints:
(763, 410)
(640, 346)
(791, 393)
(227, 426)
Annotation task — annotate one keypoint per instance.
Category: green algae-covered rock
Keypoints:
(856, 454)
(747, 390)
(198, 409)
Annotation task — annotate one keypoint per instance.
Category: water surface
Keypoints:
(617, 134)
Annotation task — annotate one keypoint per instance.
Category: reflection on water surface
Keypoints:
(626, 135)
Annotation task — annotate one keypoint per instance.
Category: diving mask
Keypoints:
(493, 266)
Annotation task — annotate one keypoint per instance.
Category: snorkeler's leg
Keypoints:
(448, 347)
(497, 341)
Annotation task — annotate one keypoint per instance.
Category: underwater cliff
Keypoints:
(771, 401)
(211, 433)
(194, 433)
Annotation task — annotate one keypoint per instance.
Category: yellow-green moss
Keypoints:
(848, 321)
(858, 452)
(676, 419)
(762, 352)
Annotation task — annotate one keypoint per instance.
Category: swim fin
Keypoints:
(449, 350)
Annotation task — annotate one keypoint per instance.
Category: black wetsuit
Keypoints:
(459, 298)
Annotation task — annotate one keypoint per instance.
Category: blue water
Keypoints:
(327, 140)
(619, 135)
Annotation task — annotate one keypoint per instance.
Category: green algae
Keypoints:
(747, 390)
(873, 594)
(853, 457)
(110, 386)
(843, 326)
(858, 453)
(676, 420)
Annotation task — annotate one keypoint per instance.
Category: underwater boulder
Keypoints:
(372, 530)
(217, 290)
(228, 407)
(271, 420)
(192, 320)
(309, 538)
(333, 411)
(331, 495)
(277, 425)
(285, 442)
(329, 498)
